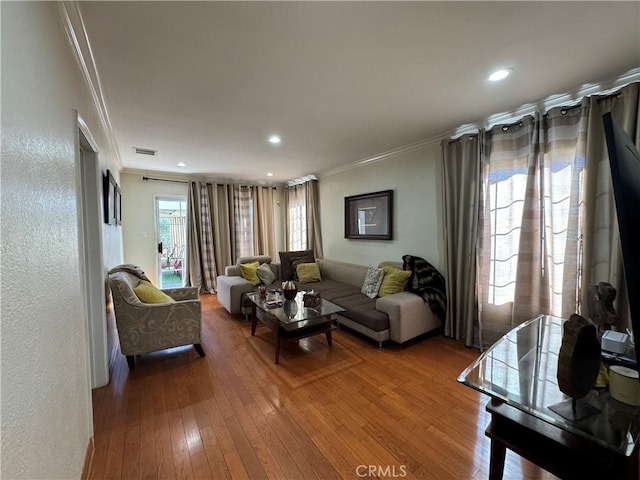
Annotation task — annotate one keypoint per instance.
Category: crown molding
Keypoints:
(559, 100)
(76, 32)
(381, 156)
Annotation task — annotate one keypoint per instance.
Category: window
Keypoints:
(297, 222)
(243, 206)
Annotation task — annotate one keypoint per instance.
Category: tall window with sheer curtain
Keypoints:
(530, 220)
(302, 217)
(243, 207)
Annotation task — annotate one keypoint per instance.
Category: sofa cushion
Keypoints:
(250, 272)
(362, 309)
(308, 272)
(265, 274)
(394, 280)
(331, 289)
(372, 282)
(289, 261)
(148, 293)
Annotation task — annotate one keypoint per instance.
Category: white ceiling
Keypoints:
(206, 83)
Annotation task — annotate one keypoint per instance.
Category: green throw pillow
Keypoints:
(308, 272)
(250, 272)
(394, 280)
(148, 293)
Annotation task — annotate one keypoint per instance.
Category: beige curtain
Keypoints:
(243, 218)
(314, 235)
(302, 218)
(461, 171)
(222, 224)
(532, 186)
(264, 235)
(201, 265)
(602, 258)
(210, 233)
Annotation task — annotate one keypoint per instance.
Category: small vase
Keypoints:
(290, 293)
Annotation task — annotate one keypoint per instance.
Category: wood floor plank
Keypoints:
(322, 413)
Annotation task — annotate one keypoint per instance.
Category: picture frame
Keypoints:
(118, 205)
(369, 216)
(109, 191)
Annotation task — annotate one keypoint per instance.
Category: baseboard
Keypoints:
(88, 461)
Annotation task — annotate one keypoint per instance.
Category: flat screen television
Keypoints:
(625, 175)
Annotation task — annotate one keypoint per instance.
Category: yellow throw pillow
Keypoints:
(394, 280)
(250, 272)
(308, 272)
(148, 293)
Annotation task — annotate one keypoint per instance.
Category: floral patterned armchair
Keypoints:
(148, 327)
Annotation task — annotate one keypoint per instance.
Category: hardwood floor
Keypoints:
(351, 411)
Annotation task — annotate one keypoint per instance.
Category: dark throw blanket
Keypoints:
(426, 281)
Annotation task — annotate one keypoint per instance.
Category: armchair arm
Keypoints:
(150, 327)
(184, 293)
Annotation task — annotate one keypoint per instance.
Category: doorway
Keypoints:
(92, 266)
(171, 236)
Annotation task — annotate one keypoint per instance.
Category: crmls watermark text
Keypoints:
(382, 471)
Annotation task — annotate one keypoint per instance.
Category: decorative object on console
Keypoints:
(369, 216)
(428, 282)
(578, 367)
(289, 289)
(600, 305)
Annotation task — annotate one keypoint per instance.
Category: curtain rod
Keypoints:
(146, 179)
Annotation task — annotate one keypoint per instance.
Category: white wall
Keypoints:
(416, 180)
(138, 219)
(46, 396)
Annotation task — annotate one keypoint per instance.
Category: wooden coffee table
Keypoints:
(292, 320)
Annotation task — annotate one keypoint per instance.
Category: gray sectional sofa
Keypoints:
(398, 317)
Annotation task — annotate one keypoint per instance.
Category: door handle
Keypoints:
(160, 248)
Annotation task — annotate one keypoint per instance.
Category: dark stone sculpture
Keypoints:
(600, 306)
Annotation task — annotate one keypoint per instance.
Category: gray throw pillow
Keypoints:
(265, 274)
(372, 282)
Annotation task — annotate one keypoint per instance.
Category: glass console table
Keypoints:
(518, 373)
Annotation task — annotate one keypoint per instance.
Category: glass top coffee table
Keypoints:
(290, 319)
(519, 374)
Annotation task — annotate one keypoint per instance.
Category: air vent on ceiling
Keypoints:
(145, 151)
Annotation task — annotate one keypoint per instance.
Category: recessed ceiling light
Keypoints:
(275, 140)
(182, 164)
(269, 174)
(500, 74)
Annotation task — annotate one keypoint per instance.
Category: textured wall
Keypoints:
(416, 180)
(46, 397)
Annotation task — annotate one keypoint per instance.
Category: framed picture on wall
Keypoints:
(109, 198)
(118, 205)
(369, 216)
